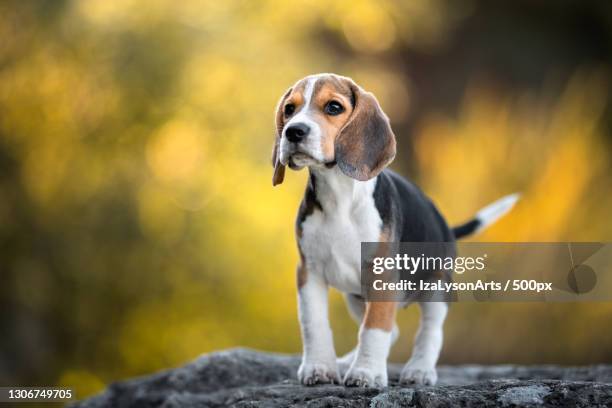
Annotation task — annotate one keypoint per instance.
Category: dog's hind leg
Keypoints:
(421, 368)
(356, 308)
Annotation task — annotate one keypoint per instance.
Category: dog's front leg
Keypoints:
(369, 369)
(319, 358)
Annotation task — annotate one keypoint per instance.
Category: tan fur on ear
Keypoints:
(279, 169)
(279, 173)
(366, 143)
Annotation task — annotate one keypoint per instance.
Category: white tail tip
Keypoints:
(492, 212)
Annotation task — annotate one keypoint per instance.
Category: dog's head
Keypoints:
(327, 119)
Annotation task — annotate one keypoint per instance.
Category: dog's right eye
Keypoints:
(289, 109)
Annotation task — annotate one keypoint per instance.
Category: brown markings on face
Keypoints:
(366, 144)
(330, 88)
(296, 97)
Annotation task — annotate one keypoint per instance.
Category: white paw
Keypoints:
(419, 375)
(366, 377)
(318, 373)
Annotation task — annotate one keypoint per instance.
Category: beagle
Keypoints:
(329, 124)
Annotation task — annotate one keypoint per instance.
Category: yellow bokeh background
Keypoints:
(138, 221)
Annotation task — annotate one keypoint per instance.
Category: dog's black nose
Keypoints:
(296, 133)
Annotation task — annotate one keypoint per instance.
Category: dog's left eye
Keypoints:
(333, 108)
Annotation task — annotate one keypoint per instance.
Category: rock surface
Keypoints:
(246, 378)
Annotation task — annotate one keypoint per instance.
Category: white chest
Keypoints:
(331, 239)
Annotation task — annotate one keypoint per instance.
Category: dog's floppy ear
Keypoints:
(279, 169)
(366, 143)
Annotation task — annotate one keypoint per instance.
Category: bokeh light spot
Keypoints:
(369, 28)
(175, 152)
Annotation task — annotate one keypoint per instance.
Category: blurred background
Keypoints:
(138, 223)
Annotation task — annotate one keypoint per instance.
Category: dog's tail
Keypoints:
(486, 216)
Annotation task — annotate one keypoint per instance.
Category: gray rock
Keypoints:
(525, 395)
(246, 378)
